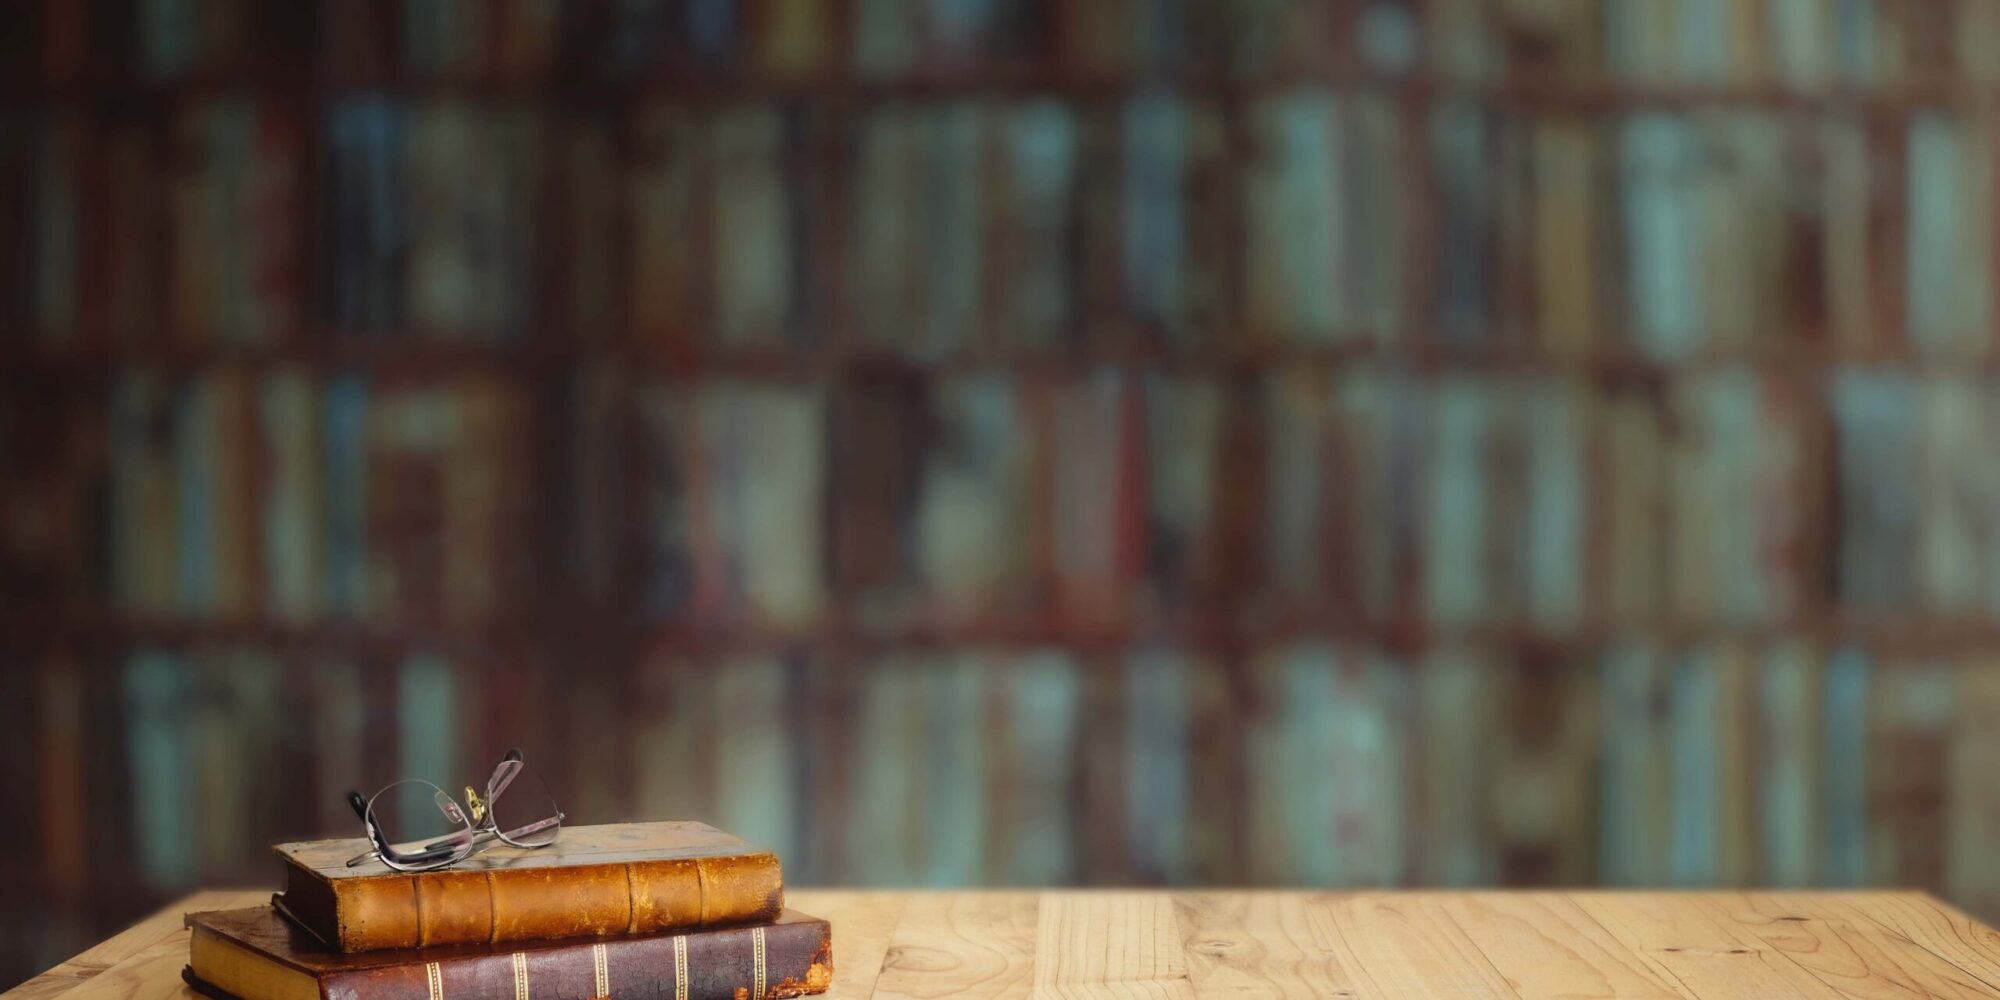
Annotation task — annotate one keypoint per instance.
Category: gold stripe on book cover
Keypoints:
(680, 967)
(757, 945)
(436, 977)
(520, 975)
(597, 959)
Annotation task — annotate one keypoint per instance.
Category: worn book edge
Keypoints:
(253, 969)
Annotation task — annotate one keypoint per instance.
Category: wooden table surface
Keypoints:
(1643, 946)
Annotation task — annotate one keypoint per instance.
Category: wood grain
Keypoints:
(1403, 944)
(1685, 944)
(958, 944)
(1544, 946)
(1109, 944)
(134, 939)
(862, 922)
(154, 973)
(1849, 953)
(1257, 944)
(1283, 943)
(1912, 919)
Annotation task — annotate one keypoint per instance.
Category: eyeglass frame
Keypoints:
(478, 834)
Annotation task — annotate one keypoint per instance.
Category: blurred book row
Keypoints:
(971, 228)
(1314, 762)
(1096, 501)
(1797, 42)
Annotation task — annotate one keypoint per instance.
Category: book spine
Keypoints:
(497, 906)
(782, 960)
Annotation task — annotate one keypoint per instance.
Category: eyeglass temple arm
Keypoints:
(503, 774)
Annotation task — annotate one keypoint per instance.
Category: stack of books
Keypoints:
(645, 911)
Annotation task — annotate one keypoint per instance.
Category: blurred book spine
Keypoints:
(1121, 441)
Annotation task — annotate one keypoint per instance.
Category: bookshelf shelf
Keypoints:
(1242, 634)
(671, 355)
(1537, 92)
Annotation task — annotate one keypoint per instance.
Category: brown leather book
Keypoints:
(255, 954)
(597, 881)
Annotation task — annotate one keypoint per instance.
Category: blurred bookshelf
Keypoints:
(1362, 442)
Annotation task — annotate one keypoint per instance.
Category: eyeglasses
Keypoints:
(415, 826)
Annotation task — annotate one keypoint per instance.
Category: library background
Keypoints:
(953, 442)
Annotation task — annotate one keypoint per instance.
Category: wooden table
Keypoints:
(1639, 946)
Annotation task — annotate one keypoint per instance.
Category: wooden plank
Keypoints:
(1846, 951)
(1918, 920)
(1403, 945)
(132, 940)
(1109, 944)
(1698, 954)
(1257, 944)
(153, 973)
(862, 923)
(1545, 947)
(960, 945)
(1639, 945)
(51, 984)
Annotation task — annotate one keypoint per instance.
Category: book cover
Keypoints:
(1462, 146)
(881, 426)
(1098, 264)
(763, 446)
(1551, 543)
(1949, 266)
(1971, 868)
(1636, 767)
(1326, 763)
(670, 256)
(1875, 415)
(1031, 218)
(1031, 778)
(158, 692)
(1294, 217)
(56, 253)
(1790, 748)
(882, 254)
(755, 777)
(623, 878)
(142, 497)
(1183, 425)
(949, 230)
(1177, 754)
(1911, 703)
(1457, 576)
(1155, 252)
(884, 831)
(255, 954)
(974, 501)
(1849, 684)
(1660, 171)
(1459, 722)
(294, 508)
(1094, 492)
(1566, 159)
(1546, 738)
(753, 232)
